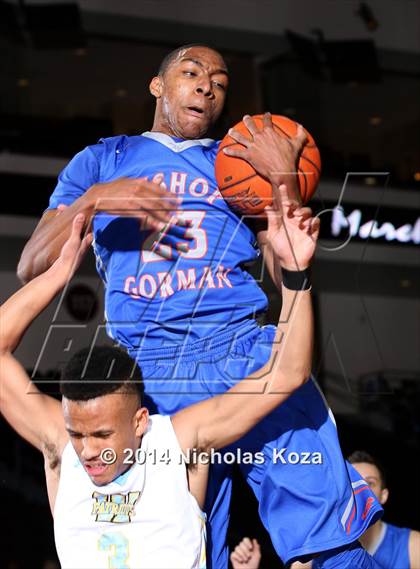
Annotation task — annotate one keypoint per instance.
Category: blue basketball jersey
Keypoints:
(151, 300)
(391, 550)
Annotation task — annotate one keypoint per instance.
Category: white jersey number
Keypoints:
(153, 250)
(117, 545)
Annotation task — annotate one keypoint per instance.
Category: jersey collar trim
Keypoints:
(375, 546)
(175, 146)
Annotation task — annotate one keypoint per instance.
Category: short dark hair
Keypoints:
(363, 456)
(92, 373)
(172, 55)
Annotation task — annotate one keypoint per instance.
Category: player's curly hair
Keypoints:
(172, 55)
(100, 371)
(363, 456)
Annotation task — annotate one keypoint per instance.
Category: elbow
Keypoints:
(28, 263)
(23, 271)
(298, 377)
(24, 268)
(5, 347)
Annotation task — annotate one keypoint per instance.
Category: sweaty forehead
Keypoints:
(203, 55)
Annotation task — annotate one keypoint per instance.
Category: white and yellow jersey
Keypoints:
(145, 519)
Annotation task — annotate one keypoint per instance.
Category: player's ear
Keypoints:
(155, 87)
(384, 496)
(141, 420)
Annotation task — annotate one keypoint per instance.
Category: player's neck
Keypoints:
(371, 535)
(163, 127)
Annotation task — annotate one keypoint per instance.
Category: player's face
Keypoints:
(112, 421)
(373, 477)
(191, 94)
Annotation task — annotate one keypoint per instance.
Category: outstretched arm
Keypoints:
(222, 420)
(35, 416)
(127, 196)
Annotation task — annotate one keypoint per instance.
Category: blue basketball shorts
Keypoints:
(310, 499)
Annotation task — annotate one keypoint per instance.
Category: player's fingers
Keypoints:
(235, 152)
(157, 191)
(273, 218)
(86, 243)
(245, 549)
(250, 124)
(243, 555)
(300, 139)
(239, 137)
(314, 227)
(175, 230)
(160, 210)
(77, 226)
(308, 226)
(164, 251)
(182, 222)
(256, 545)
(283, 201)
(60, 208)
(303, 212)
(237, 556)
(267, 120)
(174, 244)
(247, 542)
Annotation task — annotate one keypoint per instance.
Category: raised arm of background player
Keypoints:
(37, 417)
(222, 420)
(275, 157)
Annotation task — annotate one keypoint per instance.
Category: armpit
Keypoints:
(52, 457)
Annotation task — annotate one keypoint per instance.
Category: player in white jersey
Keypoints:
(121, 488)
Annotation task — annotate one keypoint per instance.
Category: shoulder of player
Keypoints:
(115, 143)
(184, 426)
(414, 537)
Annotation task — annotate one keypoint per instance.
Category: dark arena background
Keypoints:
(350, 73)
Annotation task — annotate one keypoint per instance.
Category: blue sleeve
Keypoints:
(78, 176)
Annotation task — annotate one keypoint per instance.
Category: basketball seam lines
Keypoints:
(313, 164)
(306, 185)
(222, 188)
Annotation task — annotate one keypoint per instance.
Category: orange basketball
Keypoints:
(248, 192)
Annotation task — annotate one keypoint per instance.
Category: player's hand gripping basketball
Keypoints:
(273, 156)
(292, 231)
(73, 250)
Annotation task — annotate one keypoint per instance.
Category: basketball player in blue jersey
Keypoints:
(183, 304)
(126, 509)
(391, 546)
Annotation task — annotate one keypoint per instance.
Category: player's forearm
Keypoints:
(234, 413)
(273, 266)
(278, 177)
(290, 362)
(45, 245)
(294, 338)
(26, 304)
